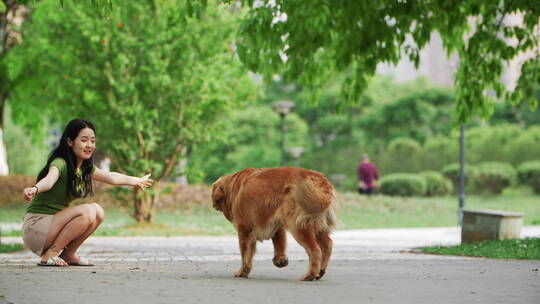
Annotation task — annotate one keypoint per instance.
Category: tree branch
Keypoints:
(169, 164)
(140, 140)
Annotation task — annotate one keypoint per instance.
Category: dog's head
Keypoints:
(218, 194)
(224, 189)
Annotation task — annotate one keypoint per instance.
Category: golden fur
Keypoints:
(262, 203)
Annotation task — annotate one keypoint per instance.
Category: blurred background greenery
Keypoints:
(169, 94)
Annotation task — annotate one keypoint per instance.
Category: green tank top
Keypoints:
(56, 199)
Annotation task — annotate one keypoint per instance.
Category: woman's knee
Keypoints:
(87, 218)
(88, 213)
(100, 213)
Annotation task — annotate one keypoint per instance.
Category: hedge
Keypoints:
(403, 184)
(493, 177)
(529, 174)
(436, 183)
(451, 171)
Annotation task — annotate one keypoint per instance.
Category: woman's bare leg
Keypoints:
(69, 252)
(67, 225)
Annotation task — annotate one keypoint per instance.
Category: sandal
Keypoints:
(53, 261)
(81, 262)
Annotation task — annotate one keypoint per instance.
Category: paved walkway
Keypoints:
(372, 266)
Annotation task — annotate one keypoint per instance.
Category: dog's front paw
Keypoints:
(242, 273)
(280, 261)
(321, 274)
(309, 277)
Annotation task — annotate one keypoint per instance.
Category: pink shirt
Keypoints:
(367, 172)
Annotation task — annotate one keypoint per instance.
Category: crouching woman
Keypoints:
(51, 228)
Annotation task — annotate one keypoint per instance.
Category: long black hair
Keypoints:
(66, 152)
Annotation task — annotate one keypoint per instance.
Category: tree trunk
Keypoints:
(145, 202)
(182, 167)
(145, 205)
(14, 14)
(4, 170)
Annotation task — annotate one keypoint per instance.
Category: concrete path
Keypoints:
(368, 266)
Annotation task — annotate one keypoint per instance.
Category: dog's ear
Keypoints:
(218, 195)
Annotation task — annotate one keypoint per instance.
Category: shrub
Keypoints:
(404, 145)
(403, 184)
(451, 171)
(403, 155)
(526, 146)
(529, 174)
(410, 116)
(493, 177)
(491, 143)
(436, 183)
(439, 151)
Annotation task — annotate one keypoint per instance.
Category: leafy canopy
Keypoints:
(308, 41)
(153, 80)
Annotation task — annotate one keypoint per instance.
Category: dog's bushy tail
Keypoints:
(316, 197)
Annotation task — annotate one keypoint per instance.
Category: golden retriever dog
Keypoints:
(263, 203)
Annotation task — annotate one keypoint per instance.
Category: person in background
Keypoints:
(367, 176)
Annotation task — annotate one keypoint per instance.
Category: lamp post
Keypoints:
(296, 152)
(283, 108)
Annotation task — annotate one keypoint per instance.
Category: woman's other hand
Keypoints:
(29, 193)
(144, 182)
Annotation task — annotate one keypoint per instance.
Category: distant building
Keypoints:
(439, 69)
(434, 64)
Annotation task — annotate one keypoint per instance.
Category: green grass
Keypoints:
(357, 212)
(199, 221)
(528, 248)
(10, 247)
(362, 212)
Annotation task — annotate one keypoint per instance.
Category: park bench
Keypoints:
(480, 225)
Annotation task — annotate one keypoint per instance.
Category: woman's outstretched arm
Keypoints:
(43, 185)
(119, 179)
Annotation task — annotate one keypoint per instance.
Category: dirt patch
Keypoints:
(11, 187)
(177, 196)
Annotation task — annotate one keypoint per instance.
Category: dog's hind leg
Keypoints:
(248, 246)
(326, 244)
(280, 245)
(307, 238)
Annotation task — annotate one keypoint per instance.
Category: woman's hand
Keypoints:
(29, 193)
(144, 182)
(45, 184)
